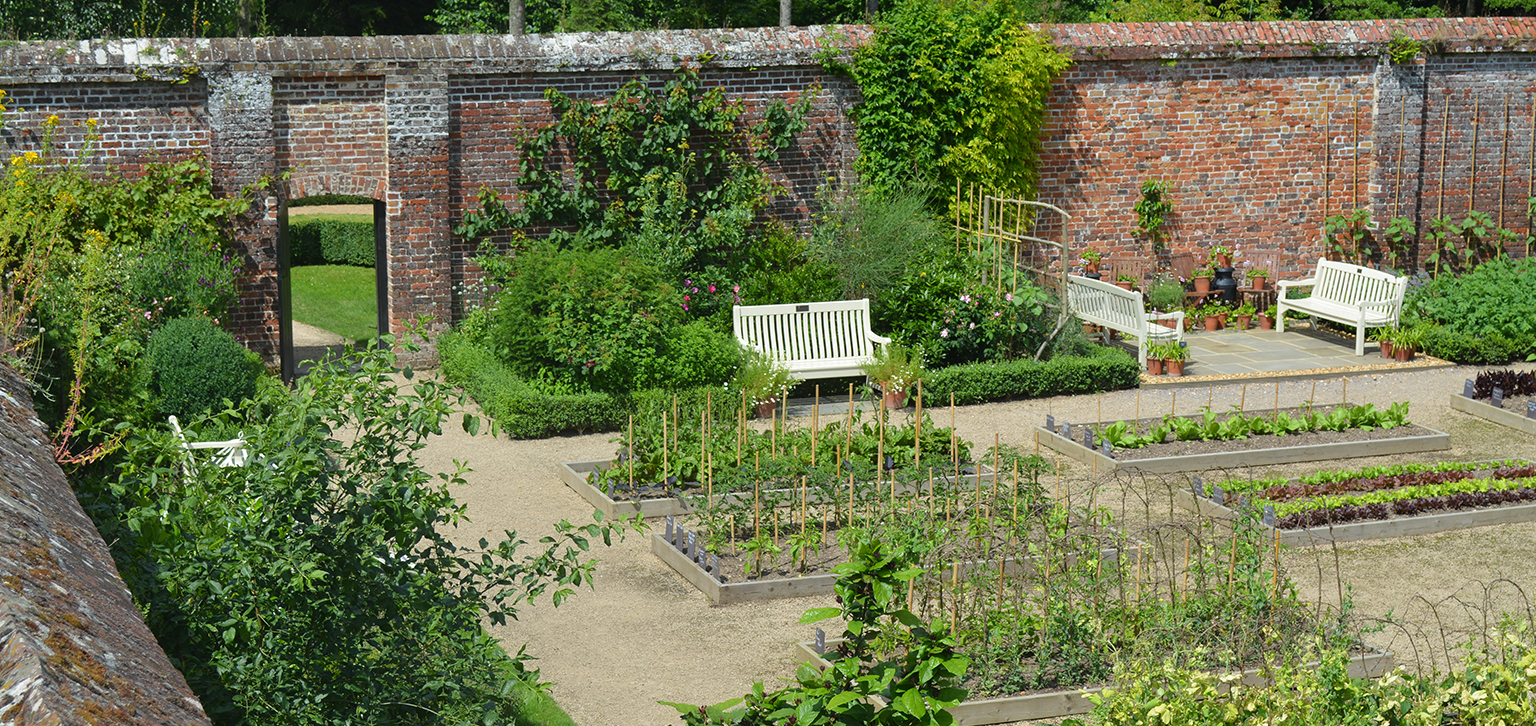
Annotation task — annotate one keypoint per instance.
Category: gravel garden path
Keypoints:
(644, 635)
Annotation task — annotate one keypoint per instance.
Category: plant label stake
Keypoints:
(1197, 485)
(693, 546)
(669, 528)
(1107, 450)
(1066, 430)
(1530, 409)
(1498, 397)
(1050, 421)
(1466, 390)
(1269, 515)
(1217, 495)
(821, 642)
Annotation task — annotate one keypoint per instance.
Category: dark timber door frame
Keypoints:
(284, 298)
(381, 264)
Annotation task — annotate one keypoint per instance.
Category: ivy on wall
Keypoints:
(953, 92)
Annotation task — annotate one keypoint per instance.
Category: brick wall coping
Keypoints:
(162, 58)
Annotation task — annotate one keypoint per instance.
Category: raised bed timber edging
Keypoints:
(1487, 412)
(726, 593)
(1379, 529)
(1068, 702)
(1434, 441)
(574, 474)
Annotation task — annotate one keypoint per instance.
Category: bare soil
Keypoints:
(642, 634)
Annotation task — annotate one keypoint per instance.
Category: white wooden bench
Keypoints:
(227, 454)
(1102, 303)
(812, 340)
(1348, 294)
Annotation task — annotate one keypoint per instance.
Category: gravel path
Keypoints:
(644, 635)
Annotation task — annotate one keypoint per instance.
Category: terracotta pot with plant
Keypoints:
(895, 368)
(1125, 282)
(1384, 337)
(763, 380)
(1221, 256)
(1173, 356)
(1091, 259)
(1258, 279)
(1154, 365)
(1202, 278)
(1244, 313)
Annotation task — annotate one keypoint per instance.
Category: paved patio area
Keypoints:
(1261, 355)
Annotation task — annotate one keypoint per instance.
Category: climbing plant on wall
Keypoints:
(953, 92)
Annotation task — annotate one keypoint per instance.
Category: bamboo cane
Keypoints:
(1445, 130)
(1503, 160)
(1232, 563)
(815, 423)
(1397, 187)
(1472, 173)
(676, 424)
(631, 456)
(1242, 401)
(741, 427)
(917, 429)
(666, 467)
(1277, 563)
(1185, 587)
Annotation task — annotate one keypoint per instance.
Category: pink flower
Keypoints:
(146, 314)
(711, 289)
(686, 298)
(973, 326)
(685, 306)
(1008, 297)
(996, 314)
(944, 333)
(735, 288)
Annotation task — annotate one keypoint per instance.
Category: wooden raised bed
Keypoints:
(1373, 663)
(1434, 441)
(1487, 411)
(726, 593)
(575, 475)
(1378, 529)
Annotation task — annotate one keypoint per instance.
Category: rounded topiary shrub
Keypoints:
(195, 366)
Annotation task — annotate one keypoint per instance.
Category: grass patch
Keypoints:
(365, 218)
(539, 709)
(338, 298)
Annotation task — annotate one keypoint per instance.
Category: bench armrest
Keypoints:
(1378, 303)
(873, 338)
(1304, 282)
(1175, 315)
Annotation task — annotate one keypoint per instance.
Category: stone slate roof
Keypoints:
(73, 647)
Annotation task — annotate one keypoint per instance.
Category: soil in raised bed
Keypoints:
(1513, 403)
(1260, 441)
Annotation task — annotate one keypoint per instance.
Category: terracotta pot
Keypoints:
(1258, 283)
(1222, 318)
(1090, 267)
(1266, 322)
(1124, 284)
(1154, 366)
(1202, 284)
(894, 399)
(1212, 323)
(1089, 329)
(1403, 354)
(1386, 349)
(1174, 367)
(766, 409)
(1223, 260)
(1243, 321)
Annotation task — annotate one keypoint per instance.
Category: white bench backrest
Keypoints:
(1352, 284)
(807, 331)
(1121, 309)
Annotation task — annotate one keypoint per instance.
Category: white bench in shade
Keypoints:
(1348, 294)
(227, 454)
(1101, 303)
(812, 340)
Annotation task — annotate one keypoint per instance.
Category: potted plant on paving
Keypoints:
(763, 381)
(1384, 336)
(1212, 313)
(1244, 315)
(1154, 362)
(1406, 341)
(1267, 320)
(1125, 282)
(1173, 356)
(894, 368)
(1221, 256)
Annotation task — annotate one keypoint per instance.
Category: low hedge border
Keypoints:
(1447, 343)
(332, 242)
(1106, 370)
(526, 413)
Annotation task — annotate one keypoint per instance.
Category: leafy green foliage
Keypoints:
(871, 241)
(1492, 298)
(179, 274)
(1152, 211)
(667, 173)
(1105, 370)
(331, 242)
(918, 684)
(195, 366)
(523, 410)
(953, 93)
(1237, 425)
(319, 584)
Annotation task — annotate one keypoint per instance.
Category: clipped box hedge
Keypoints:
(331, 242)
(1106, 370)
(527, 413)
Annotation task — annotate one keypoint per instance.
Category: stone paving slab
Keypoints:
(1262, 355)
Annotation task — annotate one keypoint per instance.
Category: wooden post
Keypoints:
(815, 423)
(1173, 403)
(1472, 174)
(1232, 563)
(996, 464)
(677, 425)
(1138, 408)
(1242, 402)
(917, 429)
(1277, 562)
(1397, 188)
(1503, 164)
(741, 427)
(1185, 587)
(1344, 396)
(1445, 130)
(1277, 397)
(631, 452)
(666, 468)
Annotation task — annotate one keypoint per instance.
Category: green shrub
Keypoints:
(331, 242)
(195, 366)
(1106, 370)
(522, 410)
(1451, 344)
(1493, 298)
(698, 355)
(179, 274)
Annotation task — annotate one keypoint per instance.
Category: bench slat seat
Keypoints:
(812, 340)
(1101, 303)
(1347, 294)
